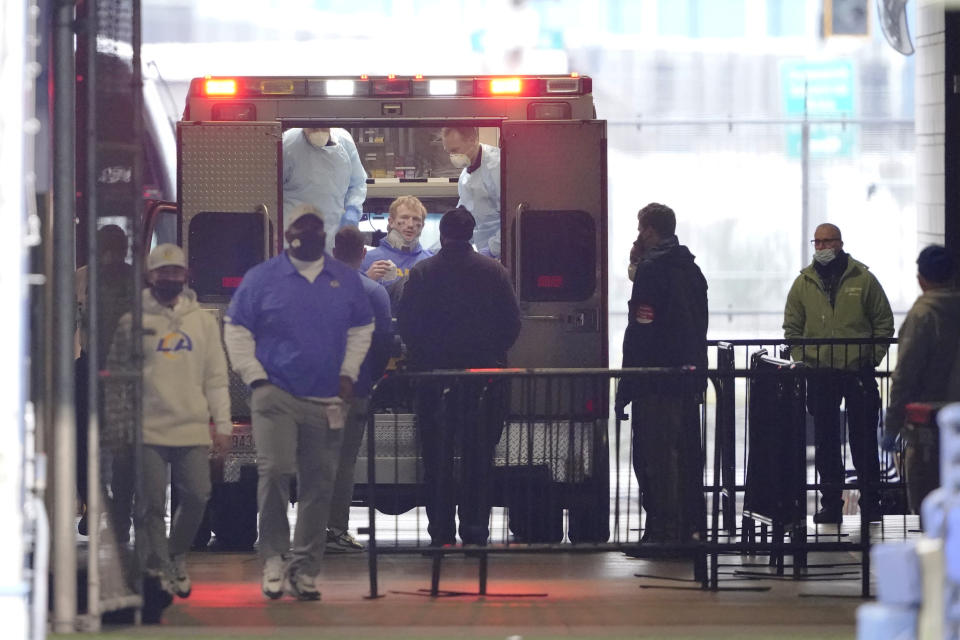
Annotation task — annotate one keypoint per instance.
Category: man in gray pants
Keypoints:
(184, 385)
(297, 330)
(348, 248)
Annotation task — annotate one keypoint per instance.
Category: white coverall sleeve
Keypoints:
(216, 381)
(358, 343)
(242, 349)
(493, 244)
(357, 191)
(288, 155)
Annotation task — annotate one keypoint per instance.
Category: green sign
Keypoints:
(821, 89)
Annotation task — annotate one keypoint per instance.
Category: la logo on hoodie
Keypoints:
(173, 343)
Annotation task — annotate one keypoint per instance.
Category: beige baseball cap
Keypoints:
(166, 255)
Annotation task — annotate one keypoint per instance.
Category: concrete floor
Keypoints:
(569, 595)
(529, 595)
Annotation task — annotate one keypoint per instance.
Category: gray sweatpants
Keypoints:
(343, 487)
(190, 474)
(292, 436)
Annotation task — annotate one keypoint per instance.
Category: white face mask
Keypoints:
(396, 240)
(824, 256)
(319, 138)
(460, 160)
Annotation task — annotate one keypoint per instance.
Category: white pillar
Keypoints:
(930, 121)
(14, 590)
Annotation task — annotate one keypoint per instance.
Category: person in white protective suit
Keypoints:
(322, 172)
(479, 185)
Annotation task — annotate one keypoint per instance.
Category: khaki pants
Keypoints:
(292, 436)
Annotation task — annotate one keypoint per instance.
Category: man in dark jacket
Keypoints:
(928, 370)
(458, 311)
(667, 327)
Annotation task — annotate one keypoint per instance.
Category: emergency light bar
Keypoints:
(391, 86)
(219, 87)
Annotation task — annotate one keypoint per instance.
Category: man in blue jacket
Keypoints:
(390, 263)
(349, 250)
(297, 330)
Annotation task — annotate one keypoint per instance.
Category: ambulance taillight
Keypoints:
(505, 86)
(220, 86)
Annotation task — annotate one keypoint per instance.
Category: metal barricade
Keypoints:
(538, 472)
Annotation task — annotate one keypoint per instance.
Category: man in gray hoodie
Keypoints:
(928, 369)
(185, 384)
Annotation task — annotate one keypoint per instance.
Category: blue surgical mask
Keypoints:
(824, 256)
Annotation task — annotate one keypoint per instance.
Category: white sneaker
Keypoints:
(181, 579)
(272, 583)
(301, 586)
(342, 542)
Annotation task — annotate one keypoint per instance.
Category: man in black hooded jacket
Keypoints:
(666, 327)
(458, 311)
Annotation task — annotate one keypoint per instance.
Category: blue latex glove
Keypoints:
(890, 441)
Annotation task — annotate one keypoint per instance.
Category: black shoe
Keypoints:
(871, 514)
(155, 600)
(828, 516)
(82, 527)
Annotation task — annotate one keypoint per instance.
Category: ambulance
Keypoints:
(229, 217)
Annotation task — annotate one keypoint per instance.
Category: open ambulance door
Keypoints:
(230, 191)
(554, 239)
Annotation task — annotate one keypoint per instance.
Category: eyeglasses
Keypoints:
(819, 242)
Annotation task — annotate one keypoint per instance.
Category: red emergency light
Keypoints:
(220, 86)
(418, 85)
(506, 86)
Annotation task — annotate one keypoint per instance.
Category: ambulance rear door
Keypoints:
(230, 194)
(554, 239)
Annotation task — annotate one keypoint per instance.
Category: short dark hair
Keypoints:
(936, 264)
(112, 238)
(457, 224)
(348, 244)
(467, 133)
(660, 218)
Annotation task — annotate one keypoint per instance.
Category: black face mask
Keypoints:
(308, 245)
(166, 290)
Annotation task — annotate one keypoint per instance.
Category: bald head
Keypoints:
(827, 236)
(831, 229)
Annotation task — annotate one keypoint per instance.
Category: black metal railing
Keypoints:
(535, 445)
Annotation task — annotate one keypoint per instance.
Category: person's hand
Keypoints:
(622, 400)
(378, 269)
(346, 388)
(889, 440)
(222, 443)
(620, 408)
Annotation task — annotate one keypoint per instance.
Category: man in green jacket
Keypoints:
(928, 370)
(837, 297)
